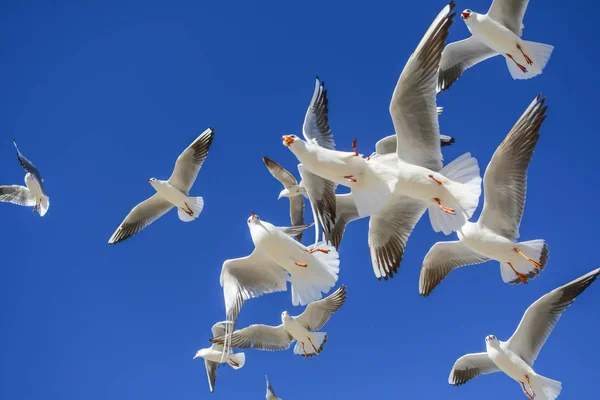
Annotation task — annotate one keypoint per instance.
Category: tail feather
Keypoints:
(464, 189)
(320, 276)
(195, 204)
(318, 340)
(545, 388)
(237, 361)
(540, 53)
(536, 250)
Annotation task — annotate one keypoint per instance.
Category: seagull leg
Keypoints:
(531, 260)
(354, 147)
(522, 278)
(35, 208)
(526, 392)
(435, 180)
(529, 383)
(188, 211)
(444, 208)
(304, 350)
(350, 178)
(313, 346)
(318, 249)
(301, 265)
(521, 67)
(529, 60)
(235, 364)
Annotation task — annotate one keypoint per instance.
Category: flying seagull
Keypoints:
(212, 356)
(270, 392)
(301, 328)
(34, 195)
(497, 32)
(516, 356)
(170, 193)
(494, 236)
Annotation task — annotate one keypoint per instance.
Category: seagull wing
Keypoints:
(346, 212)
(505, 179)
(211, 372)
(543, 315)
(459, 56)
(294, 231)
(270, 391)
(509, 13)
(16, 194)
(188, 164)
(413, 106)
(321, 194)
(258, 336)
(140, 217)
(443, 258)
(316, 122)
(29, 167)
(317, 313)
(280, 173)
(470, 366)
(389, 231)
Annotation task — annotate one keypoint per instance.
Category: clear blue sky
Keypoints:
(104, 95)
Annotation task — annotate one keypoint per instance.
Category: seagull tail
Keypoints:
(537, 250)
(545, 388)
(462, 195)
(195, 204)
(44, 206)
(237, 361)
(320, 276)
(318, 339)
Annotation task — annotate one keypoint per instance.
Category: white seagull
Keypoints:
(497, 32)
(213, 354)
(270, 392)
(319, 191)
(493, 236)
(276, 259)
(301, 328)
(34, 195)
(170, 193)
(516, 356)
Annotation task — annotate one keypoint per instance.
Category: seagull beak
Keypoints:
(149, 180)
(287, 140)
(253, 216)
(465, 15)
(196, 356)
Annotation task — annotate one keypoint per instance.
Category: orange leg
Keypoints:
(233, 363)
(304, 350)
(301, 265)
(529, 60)
(444, 208)
(188, 211)
(525, 391)
(521, 67)
(350, 178)
(35, 208)
(318, 249)
(531, 260)
(529, 383)
(435, 180)
(313, 346)
(521, 277)
(354, 147)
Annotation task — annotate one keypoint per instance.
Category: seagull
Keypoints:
(319, 191)
(493, 236)
(34, 195)
(270, 392)
(170, 193)
(451, 194)
(276, 259)
(301, 328)
(497, 32)
(212, 356)
(516, 356)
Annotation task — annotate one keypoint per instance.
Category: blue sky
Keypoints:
(103, 95)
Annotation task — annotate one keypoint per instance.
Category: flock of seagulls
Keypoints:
(394, 186)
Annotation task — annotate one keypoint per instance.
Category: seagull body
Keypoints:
(494, 236)
(33, 194)
(516, 356)
(497, 32)
(301, 328)
(170, 193)
(213, 356)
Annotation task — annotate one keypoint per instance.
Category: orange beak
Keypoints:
(288, 140)
(466, 15)
(252, 216)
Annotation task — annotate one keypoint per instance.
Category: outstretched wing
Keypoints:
(18, 195)
(509, 13)
(188, 164)
(258, 336)
(470, 366)
(316, 122)
(459, 56)
(29, 167)
(317, 313)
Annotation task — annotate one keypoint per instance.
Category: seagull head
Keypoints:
(466, 14)
(491, 340)
(288, 140)
(291, 191)
(285, 316)
(153, 181)
(199, 353)
(253, 219)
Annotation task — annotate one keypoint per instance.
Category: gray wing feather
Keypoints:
(211, 373)
(470, 366)
(29, 167)
(321, 193)
(459, 56)
(317, 313)
(140, 217)
(188, 164)
(258, 336)
(316, 122)
(280, 173)
(509, 13)
(297, 213)
(542, 316)
(294, 231)
(505, 179)
(16, 194)
(346, 212)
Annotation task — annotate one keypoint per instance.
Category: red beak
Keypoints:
(465, 15)
(253, 216)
